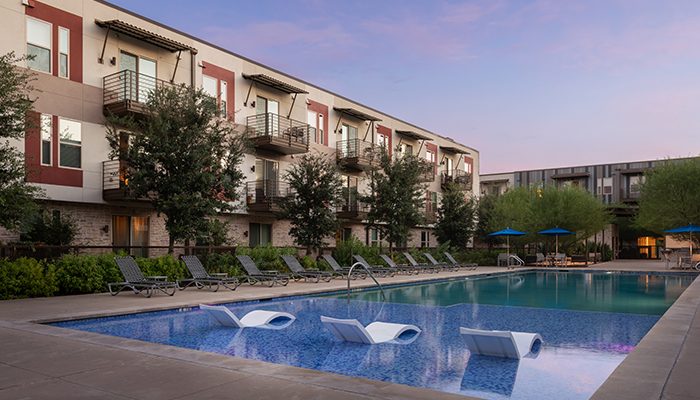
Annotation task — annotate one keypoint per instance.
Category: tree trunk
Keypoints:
(171, 244)
(308, 250)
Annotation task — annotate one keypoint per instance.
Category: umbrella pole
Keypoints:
(556, 239)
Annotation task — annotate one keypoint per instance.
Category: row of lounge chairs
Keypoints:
(135, 280)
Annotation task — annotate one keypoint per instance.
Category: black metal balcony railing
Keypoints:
(628, 195)
(115, 183)
(357, 153)
(428, 174)
(129, 87)
(352, 209)
(430, 212)
(265, 195)
(279, 133)
(460, 177)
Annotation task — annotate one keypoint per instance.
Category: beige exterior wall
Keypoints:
(83, 102)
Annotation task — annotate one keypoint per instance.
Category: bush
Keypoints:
(26, 277)
(309, 263)
(79, 274)
(221, 262)
(163, 266)
(54, 229)
(268, 257)
(345, 250)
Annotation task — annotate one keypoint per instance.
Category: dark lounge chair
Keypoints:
(375, 269)
(201, 278)
(255, 275)
(299, 272)
(343, 272)
(422, 267)
(137, 282)
(438, 264)
(470, 266)
(407, 269)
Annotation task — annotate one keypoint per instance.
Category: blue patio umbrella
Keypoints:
(689, 229)
(556, 232)
(508, 232)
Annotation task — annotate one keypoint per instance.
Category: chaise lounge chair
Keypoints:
(422, 267)
(298, 271)
(505, 344)
(343, 271)
(351, 330)
(255, 275)
(254, 319)
(375, 269)
(438, 264)
(469, 266)
(407, 269)
(201, 278)
(139, 284)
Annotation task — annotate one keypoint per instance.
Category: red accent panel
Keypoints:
(321, 109)
(433, 147)
(74, 23)
(227, 76)
(386, 131)
(38, 173)
(469, 161)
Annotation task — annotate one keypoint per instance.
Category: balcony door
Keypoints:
(266, 179)
(129, 234)
(269, 110)
(350, 193)
(348, 134)
(141, 80)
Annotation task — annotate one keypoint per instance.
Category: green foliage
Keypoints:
(52, 229)
(221, 262)
(16, 195)
(164, 265)
(216, 233)
(79, 274)
(268, 257)
(26, 277)
(345, 250)
(484, 216)
(456, 217)
(534, 209)
(396, 196)
(316, 182)
(308, 262)
(670, 196)
(183, 158)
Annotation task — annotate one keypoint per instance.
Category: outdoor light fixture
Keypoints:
(252, 168)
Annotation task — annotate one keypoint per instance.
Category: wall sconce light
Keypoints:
(252, 168)
(105, 229)
(113, 61)
(252, 103)
(245, 233)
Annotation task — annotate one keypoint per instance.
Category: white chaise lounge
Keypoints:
(254, 319)
(351, 330)
(500, 343)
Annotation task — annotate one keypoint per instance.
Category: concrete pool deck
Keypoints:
(40, 362)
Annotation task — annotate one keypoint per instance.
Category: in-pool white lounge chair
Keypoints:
(351, 330)
(254, 319)
(501, 343)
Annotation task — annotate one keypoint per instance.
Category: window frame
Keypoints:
(50, 48)
(60, 142)
(42, 130)
(67, 53)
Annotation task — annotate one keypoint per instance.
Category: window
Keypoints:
(130, 234)
(39, 45)
(69, 134)
(209, 86)
(383, 140)
(63, 40)
(218, 89)
(373, 237)
(320, 133)
(223, 93)
(424, 238)
(430, 156)
(406, 149)
(46, 122)
(635, 183)
(260, 234)
(448, 166)
(315, 120)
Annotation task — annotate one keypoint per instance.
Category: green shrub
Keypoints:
(163, 266)
(221, 262)
(26, 277)
(268, 257)
(345, 250)
(78, 274)
(308, 262)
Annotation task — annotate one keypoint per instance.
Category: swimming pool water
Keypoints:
(581, 347)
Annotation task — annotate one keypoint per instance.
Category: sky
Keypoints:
(529, 83)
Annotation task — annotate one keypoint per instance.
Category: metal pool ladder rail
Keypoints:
(368, 273)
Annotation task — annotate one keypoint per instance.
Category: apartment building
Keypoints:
(94, 58)
(617, 185)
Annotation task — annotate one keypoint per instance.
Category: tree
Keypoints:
(50, 228)
(670, 196)
(456, 217)
(16, 195)
(182, 157)
(395, 196)
(317, 186)
(536, 209)
(484, 215)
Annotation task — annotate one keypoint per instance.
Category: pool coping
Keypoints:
(625, 382)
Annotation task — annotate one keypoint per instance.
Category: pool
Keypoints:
(589, 322)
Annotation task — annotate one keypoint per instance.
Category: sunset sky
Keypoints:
(530, 84)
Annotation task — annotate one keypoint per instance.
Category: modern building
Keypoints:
(94, 58)
(617, 185)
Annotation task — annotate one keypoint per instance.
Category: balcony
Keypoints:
(460, 177)
(630, 196)
(353, 210)
(356, 154)
(125, 93)
(264, 196)
(115, 185)
(430, 213)
(428, 174)
(279, 134)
